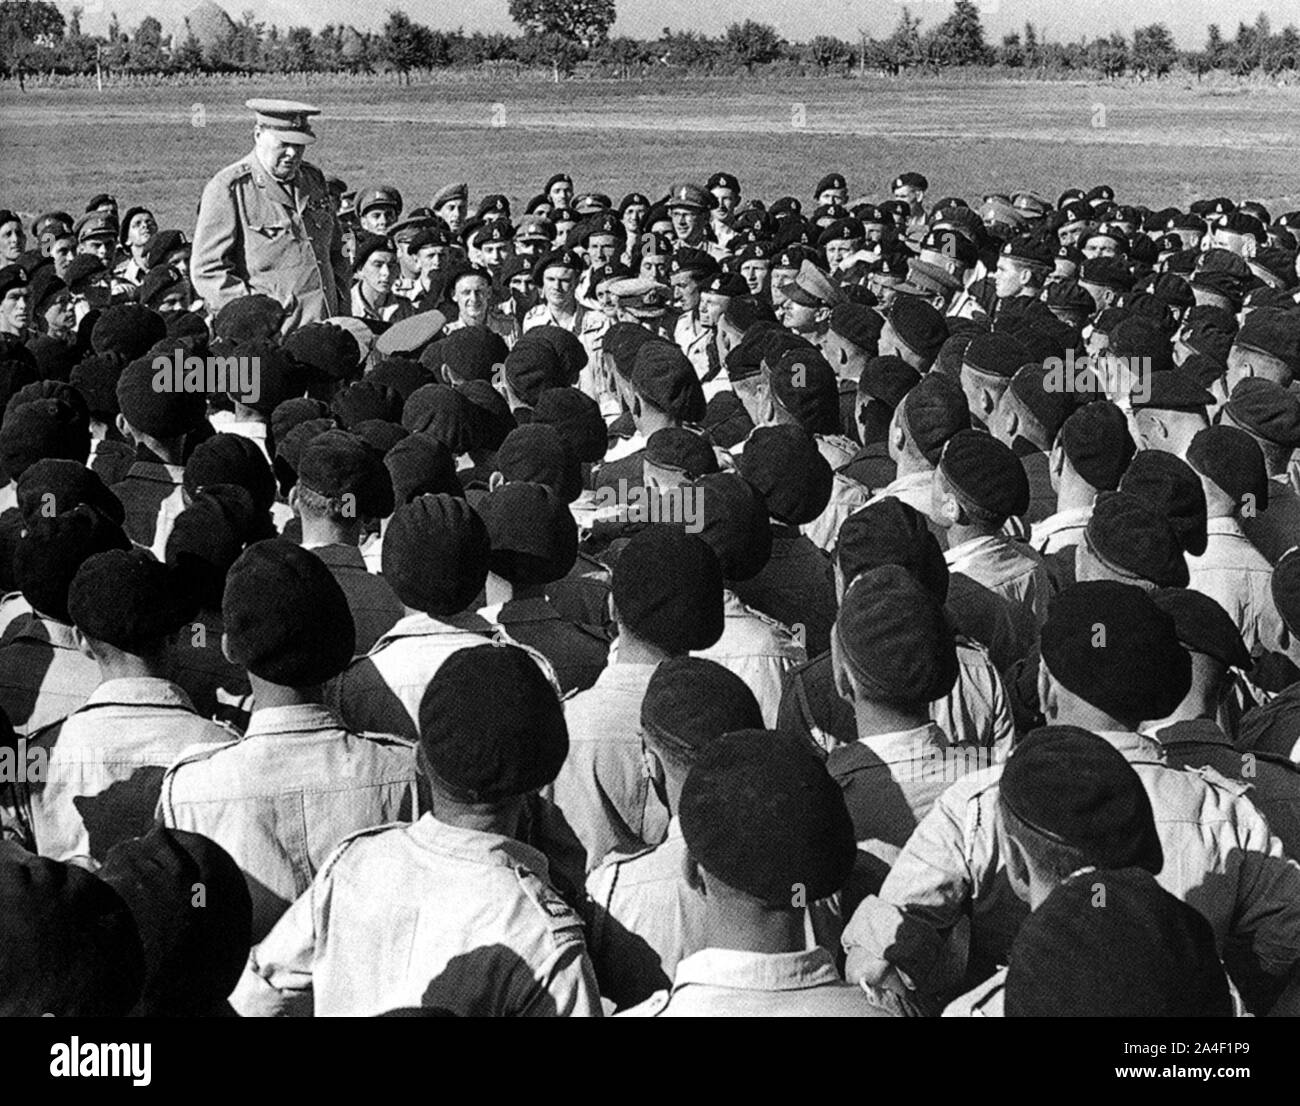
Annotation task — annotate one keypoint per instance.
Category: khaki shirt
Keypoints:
(424, 915)
(1237, 576)
(44, 675)
(997, 593)
(255, 234)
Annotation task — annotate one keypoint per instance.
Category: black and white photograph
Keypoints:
(648, 509)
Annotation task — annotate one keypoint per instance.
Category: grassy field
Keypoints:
(1156, 144)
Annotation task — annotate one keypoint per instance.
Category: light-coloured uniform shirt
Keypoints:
(1059, 530)
(997, 593)
(1237, 576)
(730, 983)
(758, 649)
(1219, 857)
(44, 675)
(106, 765)
(427, 914)
(985, 1001)
(280, 798)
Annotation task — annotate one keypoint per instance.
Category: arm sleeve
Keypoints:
(277, 982)
(214, 268)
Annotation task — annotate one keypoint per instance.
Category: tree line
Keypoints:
(564, 34)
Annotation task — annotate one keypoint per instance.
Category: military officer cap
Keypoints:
(1173, 390)
(667, 589)
(1030, 206)
(812, 288)
(383, 195)
(785, 467)
(96, 224)
(933, 412)
(664, 377)
(842, 230)
(691, 196)
(1203, 626)
(449, 192)
(1267, 410)
(761, 814)
(930, 279)
(129, 600)
(534, 537)
(726, 284)
(895, 638)
(1167, 483)
(909, 180)
(59, 221)
(590, 203)
(985, 473)
(435, 553)
(999, 213)
(641, 296)
(1129, 534)
(535, 228)
(491, 725)
(337, 464)
(1142, 672)
(286, 618)
(290, 119)
(677, 449)
(1076, 789)
(1098, 445)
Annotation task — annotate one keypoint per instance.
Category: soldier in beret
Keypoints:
(1270, 414)
(457, 888)
(266, 224)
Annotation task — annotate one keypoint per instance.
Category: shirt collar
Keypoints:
(478, 845)
(298, 718)
(906, 745)
(140, 691)
(1063, 520)
(1133, 746)
(987, 546)
(1225, 525)
(422, 625)
(625, 677)
(1192, 731)
(758, 971)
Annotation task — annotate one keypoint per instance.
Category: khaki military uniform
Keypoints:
(257, 235)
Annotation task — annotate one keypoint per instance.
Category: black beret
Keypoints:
(337, 464)
(380, 434)
(435, 554)
(1267, 410)
(932, 412)
(491, 419)
(231, 459)
(760, 812)
(1203, 369)
(127, 329)
(1034, 387)
(326, 348)
(491, 725)
(363, 400)
(1030, 249)
(919, 326)
(1146, 955)
(50, 389)
(129, 600)
(54, 485)
(888, 379)
(367, 244)
(1174, 389)
(1203, 626)
(985, 473)
(576, 416)
(154, 411)
(1285, 589)
(1142, 339)
(249, 318)
(421, 465)
(402, 374)
(726, 421)
(664, 377)
(805, 385)
(1113, 647)
(890, 532)
(1131, 534)
(533, 534)
(289, 449)
(895, 638)
(621, 344)
(536, 454)
(443, 413)
(1098, 445)
(532, 367)
(1234, 461)
(68, 944)
(158, 282)
(785, 467)
(996, 354)
(1106, 272)
(745, 359)
(690, 702)
(678, 449)
(209, 535)
(726, 284)
(472, 353)
(1077, 790)
(51, 550)
(1167, 485)
(39, 429)
(286, 617)
(733, 519)
(95, 377)
(857, 324)
(667, 590)
(571, 352)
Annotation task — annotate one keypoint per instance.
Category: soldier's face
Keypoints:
(1006, 280)
(173, 302)
(1100, 247)
(686, 291)
(832, 196)
(13, 241)
(712, 306)
(839, 250)
(633, 217)
(557, 286)
(471, 296)
(496, 253)
(280, 158)
(379, 270)
(654, 267)
(97, 247)
(686, 221)
(453, 214)
(377, 220)
(522, 288)
(60, 317)
(561, 193)
(431, 258)
(799, 317)
(1069, 234)
(13, 311)
(755, 274)
(909, 195)
(62, 253)
(727, 200)
(602, 248)
(142, 228)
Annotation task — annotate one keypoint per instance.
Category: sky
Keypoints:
(798, 20)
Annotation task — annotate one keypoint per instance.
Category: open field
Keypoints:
(1155, 143)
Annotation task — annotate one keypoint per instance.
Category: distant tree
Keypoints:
(689, 49)
(403, 44)
(586, 22)
(1153, 50)
(188, 57)
(300, 49)
(1216, 50)
(1109, 56)
(552, 49)
(959, 39)
(146, 53)
(829, 52)
(904, 47)
(624, 53)
(752, 43)
(1033, 54)
(1011, 53)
